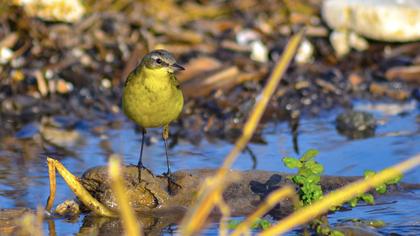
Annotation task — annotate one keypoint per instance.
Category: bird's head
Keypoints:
(161, 59)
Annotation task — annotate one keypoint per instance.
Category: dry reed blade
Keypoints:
(195, 218)
(270, 202)
(225, 210)
(53, 184)
(77, 188)
(130, 224)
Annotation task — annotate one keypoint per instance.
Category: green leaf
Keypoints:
(307, 189)
(309, 164)
(313, 167)
(337, 233)
(311, 193)
(313, 179)
(395, 180)
(323, 230)
(317, 168)
(305, 172)
(368, 198)
(232, 224)
(261, 224)
(292, 163)
(310, 154)
(318, 229)
(299, 180)
(353, 202)
(381, 189)
(369, 173)
(264, 224)
(254, 225)
(318, 193)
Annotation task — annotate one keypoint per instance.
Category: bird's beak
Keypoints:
(177, 67)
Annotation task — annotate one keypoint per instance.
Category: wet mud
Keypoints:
(243, 195)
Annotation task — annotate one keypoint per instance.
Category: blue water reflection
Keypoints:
(397, 138)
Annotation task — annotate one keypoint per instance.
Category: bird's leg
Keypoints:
(171, 183)
(140, 163)
(165, 136)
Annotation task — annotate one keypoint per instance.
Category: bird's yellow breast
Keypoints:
(152, 97)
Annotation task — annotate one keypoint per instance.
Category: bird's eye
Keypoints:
(158, 61)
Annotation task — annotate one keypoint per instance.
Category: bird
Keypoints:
(152, 96)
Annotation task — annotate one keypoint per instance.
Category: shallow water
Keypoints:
(24, 177)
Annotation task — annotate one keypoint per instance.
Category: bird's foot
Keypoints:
(141, 167)
(172, 185)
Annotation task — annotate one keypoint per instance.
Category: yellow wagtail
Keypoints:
(152, 96)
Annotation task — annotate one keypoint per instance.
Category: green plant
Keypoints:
(308, 176)
(323, 228)
(308, 180)
(381, 189)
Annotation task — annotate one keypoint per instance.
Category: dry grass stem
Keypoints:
(225, 210)
(270, 202)
(77, 188)
(131, 226)
(195, 218)
(53, 184)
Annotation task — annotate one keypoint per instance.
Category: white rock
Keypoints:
(357, 42)
(56, 10)
(250, 38)
(6, 55)
(246, 37)
(106, 83)
(340, 43)
(385, 20)
(305, 52)
(259, 51)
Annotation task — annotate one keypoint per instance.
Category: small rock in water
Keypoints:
(68, 209)
(356, 124)
(63, 138)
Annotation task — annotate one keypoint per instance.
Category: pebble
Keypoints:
(356, 124)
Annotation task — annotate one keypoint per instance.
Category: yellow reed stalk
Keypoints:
(195, 218)
(129, 221)
(340, 196)
(51, 228)
(53, 184)
(75, 186)
(270, 202)
(225, 210)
